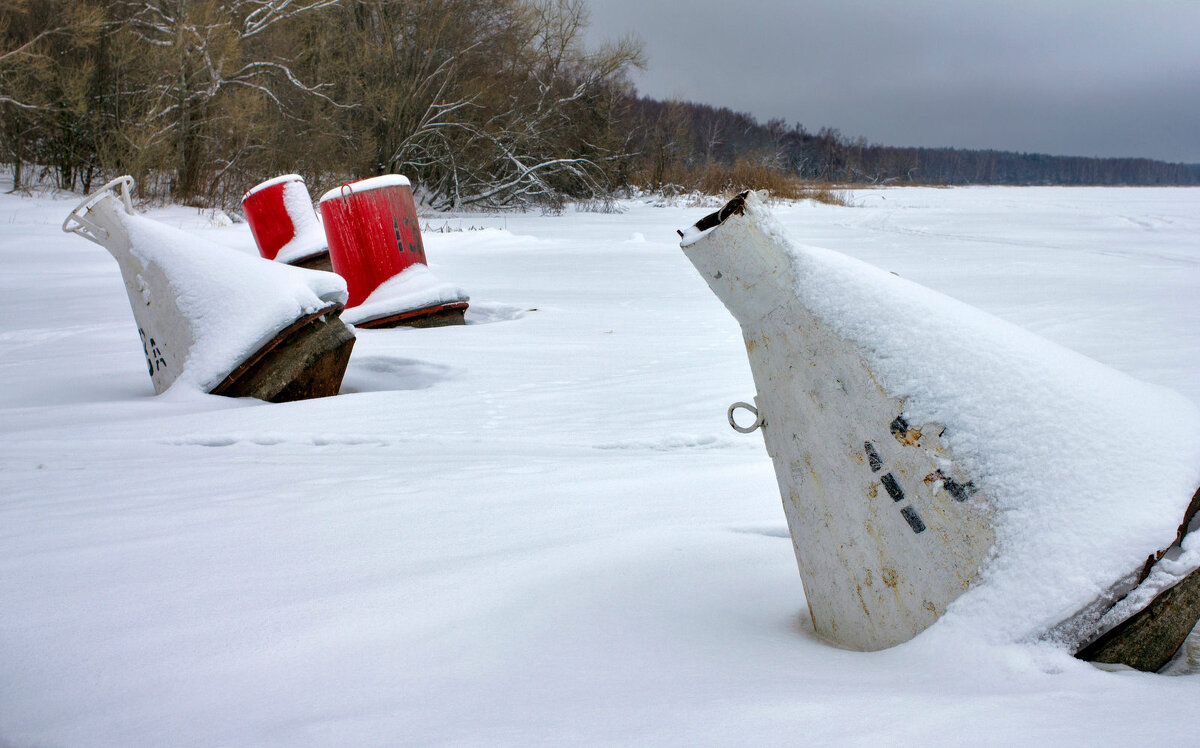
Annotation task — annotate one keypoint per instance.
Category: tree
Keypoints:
(206, 61)
(48, 63)
(484, 102)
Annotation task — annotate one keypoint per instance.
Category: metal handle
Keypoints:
(77, 221)
(758, 423)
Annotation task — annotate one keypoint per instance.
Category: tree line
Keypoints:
(489, 103)
(483, 102)
(678, 140)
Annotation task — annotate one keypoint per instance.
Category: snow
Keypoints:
(363, 185)
(1090, 470)
(534, 528)
(281, 179)
(415, 287)
(308, 236)
(233, 302)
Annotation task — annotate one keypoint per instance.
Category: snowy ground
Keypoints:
(537, 528)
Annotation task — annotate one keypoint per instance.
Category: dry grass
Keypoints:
(727, 181)
(825, 194)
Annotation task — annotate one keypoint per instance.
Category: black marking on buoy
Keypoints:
(873, 458)
(899, 426)
(893, 488)
(146, 350)
(914, 520)
(156, 356)
(960, 491)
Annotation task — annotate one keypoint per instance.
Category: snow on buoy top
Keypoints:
(271, 183)
(234, 302)
(363, 185)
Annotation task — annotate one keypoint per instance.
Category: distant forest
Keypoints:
(485, 103)
(706, 134)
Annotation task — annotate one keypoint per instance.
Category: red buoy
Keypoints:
(284, 224)
(374, 238)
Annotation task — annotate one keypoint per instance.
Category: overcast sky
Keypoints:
(1067, 77)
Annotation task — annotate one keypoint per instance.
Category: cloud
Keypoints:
(1075, 78)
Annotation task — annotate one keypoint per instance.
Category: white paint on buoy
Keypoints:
(924, 449)
(201, 308)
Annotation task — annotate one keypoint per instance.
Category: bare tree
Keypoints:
(47, 74)
(486, 102)
(202, 56)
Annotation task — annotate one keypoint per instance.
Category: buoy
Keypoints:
(284, 225)
(930, 456)
(220, 320)
(375, 244)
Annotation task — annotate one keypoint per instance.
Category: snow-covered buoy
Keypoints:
(284, 224)
(375, 244)
(937, 462)
(217, 319)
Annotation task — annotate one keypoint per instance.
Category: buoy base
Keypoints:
(1149, 639)
(305, 360)
(319, 261)
(442, 315)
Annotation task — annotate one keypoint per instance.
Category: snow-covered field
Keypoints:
(537, 528)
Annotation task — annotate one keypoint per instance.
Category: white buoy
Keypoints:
(924, 449)
(220, 319)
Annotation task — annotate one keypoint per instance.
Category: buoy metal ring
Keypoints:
(758, 419)
(78, 222)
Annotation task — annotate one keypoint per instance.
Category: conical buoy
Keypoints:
(931, 457)
(375, 244)
(284, 225)
(220, 320)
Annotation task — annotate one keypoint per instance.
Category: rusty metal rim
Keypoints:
(394, 319)
(1102, 639)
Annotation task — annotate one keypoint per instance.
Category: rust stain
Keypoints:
(905, 434)
(873, 491)
(890, 577)
(932, 478)
(861, 601)
(751, 345)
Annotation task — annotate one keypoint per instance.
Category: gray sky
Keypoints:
(1067, 77)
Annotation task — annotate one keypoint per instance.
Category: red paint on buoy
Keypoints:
(282, 220)
(373, 232)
